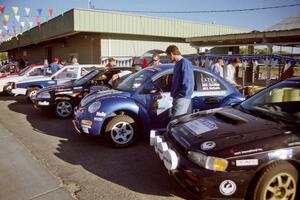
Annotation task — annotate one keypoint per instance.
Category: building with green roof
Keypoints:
(92, 34)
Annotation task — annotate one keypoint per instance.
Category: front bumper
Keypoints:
(19, 91)
(43, 104)
(200, 182)
(81, 116)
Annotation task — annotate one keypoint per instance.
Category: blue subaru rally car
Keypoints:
(142, 103)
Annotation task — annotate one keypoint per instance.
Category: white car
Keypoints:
(7, 82)
(29, 87)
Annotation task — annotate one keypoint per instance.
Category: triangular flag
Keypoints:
(4, 22)
(6, 27)
(22, 24)
(47, 18)
(38, 21)
(2, 9)
(21, 29)
(27, 10)
(6, 17)
(30, 24)
(17, 18)
(15, 9)
(15, 31)
(39, 10)
(50, 12)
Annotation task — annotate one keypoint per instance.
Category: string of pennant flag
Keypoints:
(20, 23)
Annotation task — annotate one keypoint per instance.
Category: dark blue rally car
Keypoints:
(142, 102)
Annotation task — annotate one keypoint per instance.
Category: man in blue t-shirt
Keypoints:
(54, 66)
(182, 83)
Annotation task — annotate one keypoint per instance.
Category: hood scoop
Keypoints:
(230, 117)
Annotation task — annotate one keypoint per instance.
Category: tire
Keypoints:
(121, 131)
(64, 109)
(276, 181)
(31, 93)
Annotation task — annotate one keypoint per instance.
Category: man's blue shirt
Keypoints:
(54, 67)
(183, 79)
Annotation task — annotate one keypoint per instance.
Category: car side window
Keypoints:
(164, 83)
(206, 83)
(68, 73)
(36, 72)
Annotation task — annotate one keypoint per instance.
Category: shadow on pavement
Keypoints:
(136, 168)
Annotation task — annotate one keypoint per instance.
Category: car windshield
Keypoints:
(87, 77)
(279, 102)
(23, 71)
(134, 81)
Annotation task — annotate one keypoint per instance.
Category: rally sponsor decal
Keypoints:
(99, 119)
(208, 145)
(199, 126)
(248, 151)
(100, 114)
(227, 187)
(246, 162)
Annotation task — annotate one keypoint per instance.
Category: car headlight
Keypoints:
(208, 162)
(43, 95)
(94, 107)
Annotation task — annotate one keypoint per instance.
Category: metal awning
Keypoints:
(281, 38)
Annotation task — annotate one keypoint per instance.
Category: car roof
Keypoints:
(294, 79)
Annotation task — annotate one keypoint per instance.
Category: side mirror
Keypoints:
(150, 89)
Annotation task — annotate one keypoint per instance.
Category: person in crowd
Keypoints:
(54, 65)
(111, 62)
(46, 67)
(116, 77)
(182, 83)
(288, 72)
(217, 68)
(155, 60)
(74, 61)
(230, 71)
(62, 63)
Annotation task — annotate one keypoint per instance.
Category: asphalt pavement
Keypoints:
(43, 157)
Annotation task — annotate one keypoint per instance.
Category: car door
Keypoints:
(209, 91)
(159, 101)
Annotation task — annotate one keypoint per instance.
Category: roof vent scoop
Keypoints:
(230, 118)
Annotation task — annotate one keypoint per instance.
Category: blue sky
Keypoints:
(254, 20)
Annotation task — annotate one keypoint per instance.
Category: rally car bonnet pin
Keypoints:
(208, 145)
(227, 187)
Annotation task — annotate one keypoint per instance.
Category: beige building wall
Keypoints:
(135, 46)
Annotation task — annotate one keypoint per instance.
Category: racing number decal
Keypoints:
(227, 187)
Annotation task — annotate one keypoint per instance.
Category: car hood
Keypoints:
(226, 132)
(58, 88)
(98, 95)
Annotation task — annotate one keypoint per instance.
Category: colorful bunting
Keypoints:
(50, 11)
(15, 9)
(6, 27)
(22, 24)
(38, 21)
(30, 24)
(6, 17)
(4, 22)
(2, 9)
(27, 10)
(39, 10)
(17, 18)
